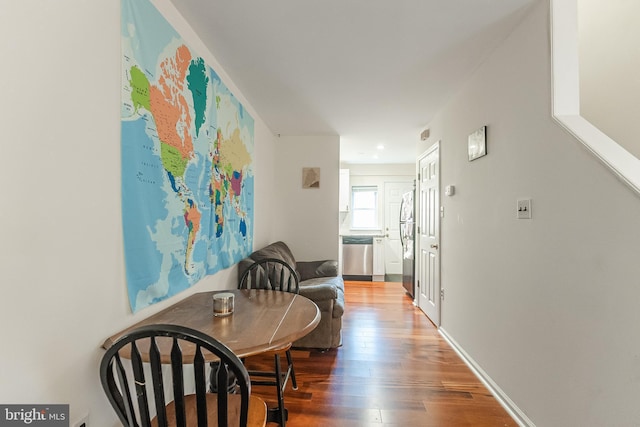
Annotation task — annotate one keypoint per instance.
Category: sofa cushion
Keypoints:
(311, 269)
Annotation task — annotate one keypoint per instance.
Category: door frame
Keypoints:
(438, 317)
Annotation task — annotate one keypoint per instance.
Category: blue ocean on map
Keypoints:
(140, 219)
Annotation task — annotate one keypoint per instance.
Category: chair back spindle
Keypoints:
(271, 274)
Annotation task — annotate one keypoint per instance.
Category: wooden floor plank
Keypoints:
(393, 368)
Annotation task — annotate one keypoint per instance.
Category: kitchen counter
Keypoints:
(372, 234)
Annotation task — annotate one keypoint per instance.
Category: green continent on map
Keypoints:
(139, 89)
(172, 160)
(197, 83)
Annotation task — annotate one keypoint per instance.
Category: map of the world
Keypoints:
(187, 146)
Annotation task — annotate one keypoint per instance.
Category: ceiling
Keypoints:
(373, 72)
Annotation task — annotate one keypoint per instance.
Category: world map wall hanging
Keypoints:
(187, 155)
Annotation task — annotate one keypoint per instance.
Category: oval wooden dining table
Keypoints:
(262, 320)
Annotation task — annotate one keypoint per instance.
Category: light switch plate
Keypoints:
(523, 209)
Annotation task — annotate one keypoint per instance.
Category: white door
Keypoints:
(428, 259)
(393, 192)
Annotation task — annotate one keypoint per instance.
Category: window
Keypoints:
(364, 202)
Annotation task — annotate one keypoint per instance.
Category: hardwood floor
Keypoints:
(392, 369)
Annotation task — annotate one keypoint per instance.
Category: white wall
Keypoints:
(308, 218)
(61, 256)
(547, 307)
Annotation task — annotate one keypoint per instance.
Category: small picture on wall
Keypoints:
(477, 144)
(310, 177)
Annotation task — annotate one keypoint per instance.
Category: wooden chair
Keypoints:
(139, 394)
(277, 275)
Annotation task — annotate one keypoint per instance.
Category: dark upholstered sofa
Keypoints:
(319, 281)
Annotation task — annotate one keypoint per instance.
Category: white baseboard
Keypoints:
(497, 392)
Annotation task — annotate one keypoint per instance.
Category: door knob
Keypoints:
(434, 246)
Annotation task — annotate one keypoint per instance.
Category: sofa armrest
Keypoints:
(319, 292)
(312, 269)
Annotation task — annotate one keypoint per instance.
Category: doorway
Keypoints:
(428, 288)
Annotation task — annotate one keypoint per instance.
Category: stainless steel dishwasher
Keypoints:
(357, 257)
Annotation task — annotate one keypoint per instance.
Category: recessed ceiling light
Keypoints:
(380, 147)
